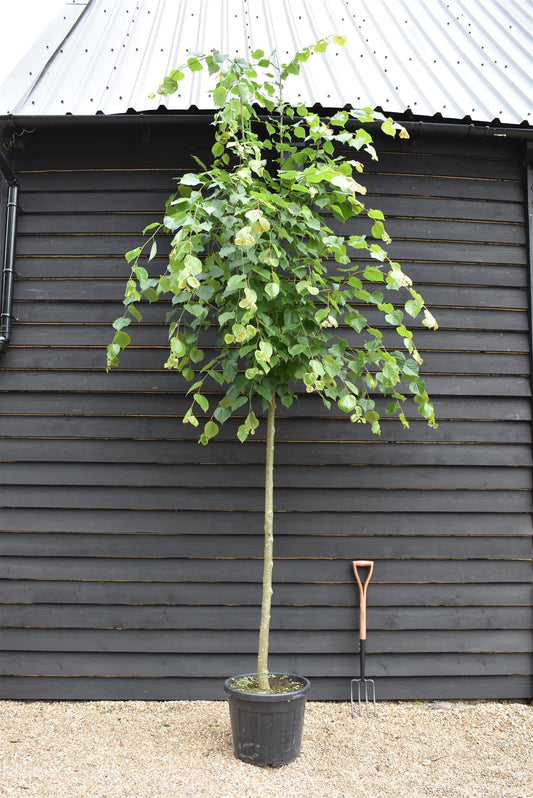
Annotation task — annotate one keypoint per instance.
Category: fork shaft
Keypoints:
(362, 657)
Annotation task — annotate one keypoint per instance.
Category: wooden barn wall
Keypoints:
(132, 555)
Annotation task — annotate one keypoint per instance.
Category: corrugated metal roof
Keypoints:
(457, 58)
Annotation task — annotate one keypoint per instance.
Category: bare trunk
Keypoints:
(268, 557)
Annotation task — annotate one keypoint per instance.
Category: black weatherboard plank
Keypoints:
(131, 553)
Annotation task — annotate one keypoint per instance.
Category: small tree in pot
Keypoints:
(253, 257)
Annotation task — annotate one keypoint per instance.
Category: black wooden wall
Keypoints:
(131, 555)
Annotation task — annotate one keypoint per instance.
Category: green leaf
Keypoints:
(243, 432)
(388, 127)
(132, 310)
(112, 351)
(426, 410)
(151, 226)
(196, 355)
(235, 283)
(413, 307)
(391, 372)
(118, 324)
(394, 318)
(373, 274)
(378, 231)
(210, 430)
(190, 418)
(132, 254)
(358, 323)
(122, 339)
(193, 264)
(373, 419)
(177, 347)
(410, 368)
(404, 332)
(317, 367)
(222, 414)
(251, 422)
(194, 65)
(219, 96)
(347, 403)
(216, 376)
(190, 179)
(202, 401)
(272, 290)
(225, 317)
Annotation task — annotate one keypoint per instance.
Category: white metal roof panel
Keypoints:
(456, 58)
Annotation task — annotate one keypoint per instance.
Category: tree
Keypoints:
(254, 256)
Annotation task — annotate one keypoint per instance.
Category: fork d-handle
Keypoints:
(363, 586)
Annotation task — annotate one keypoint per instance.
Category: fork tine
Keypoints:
(369, 696)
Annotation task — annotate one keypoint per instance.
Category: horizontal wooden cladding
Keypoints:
(397, 185)
(79, 335)
(421, 272)
(68, 450)
(475, 167)
(125, 577)
(33, 311)
(88, 290)
(49, 245)
(323, 688)
(206, 570)
(154, 359)
(403, 177)
(219, 594)
(325, 545)
(398, 228)
(189, 665)
(233, 619)
(78, 382)
(289, 429)
(212, 641)
(122, 201)
(248, 475)
(233, 498)
(167, 159)
(174, 405)
(299, 522)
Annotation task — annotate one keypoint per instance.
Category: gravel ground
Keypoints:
(182, 749)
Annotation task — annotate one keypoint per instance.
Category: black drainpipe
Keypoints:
(529, 232)
(8, 264)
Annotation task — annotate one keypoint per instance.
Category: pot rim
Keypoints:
(301, 692)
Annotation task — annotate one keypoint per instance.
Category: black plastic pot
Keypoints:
(267, 727)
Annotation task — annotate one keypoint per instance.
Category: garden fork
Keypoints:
(368, 684)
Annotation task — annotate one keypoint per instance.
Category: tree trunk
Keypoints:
(268, 556)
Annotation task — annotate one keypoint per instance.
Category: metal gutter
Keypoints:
(444, 128)
(8, 263)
